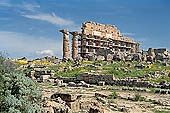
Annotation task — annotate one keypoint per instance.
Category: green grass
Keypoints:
(56, 68)
(69, 73)
(152, 90)
(159, 111)
(158, 80)
(112, 69)
(27, 70)
(134, 72)
(76, 71)
(138, 97)
(114, 95)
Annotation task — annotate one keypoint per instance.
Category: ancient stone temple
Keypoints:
(95, 38)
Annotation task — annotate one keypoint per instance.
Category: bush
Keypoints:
(18, 94)
(138, 97)
(114, 95)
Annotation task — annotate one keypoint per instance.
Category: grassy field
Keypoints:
(119, 69)
(158, 111)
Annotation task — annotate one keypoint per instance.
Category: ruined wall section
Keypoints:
(103, 31)
(95, 37)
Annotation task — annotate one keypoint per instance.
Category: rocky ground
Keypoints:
(102, 86)
(112, 99)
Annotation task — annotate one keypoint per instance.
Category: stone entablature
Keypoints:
(104, 31)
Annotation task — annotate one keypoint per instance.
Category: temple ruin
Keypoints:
(96, 38)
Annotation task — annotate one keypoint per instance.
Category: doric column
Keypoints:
(74, 44)
(66, 44)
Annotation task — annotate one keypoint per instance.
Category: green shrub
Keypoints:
(18, 94)
(138, 97)
(114, 95)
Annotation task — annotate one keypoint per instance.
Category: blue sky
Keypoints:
(31, 27)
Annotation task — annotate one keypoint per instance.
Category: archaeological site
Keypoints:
(105, 42)
(84, 56)
(102, 71)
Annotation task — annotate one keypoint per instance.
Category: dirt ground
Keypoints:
(114, 99)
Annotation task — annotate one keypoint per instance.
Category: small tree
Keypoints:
(18, 94)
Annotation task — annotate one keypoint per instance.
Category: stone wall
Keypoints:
(110, 80)
(95, 78)
(105, 31)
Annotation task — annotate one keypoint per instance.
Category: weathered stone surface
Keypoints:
(58, 82)
(160, 56)
(66, 44)
(117, 56)
(91, 57)
(128, 57)
(144, 58)
(75, 45)
(74, 106)
(96, 110)
(151, 52)
(150, 58)
(101, 83)
(100, 57)
(65, 97)
(94, 78)
(109, 57)
(53, 107)
(44, 77)
(137, 57)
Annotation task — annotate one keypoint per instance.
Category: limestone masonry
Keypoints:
(95, 38)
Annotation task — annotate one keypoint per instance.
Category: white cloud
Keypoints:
(24, 6)
(19, 45)
(5, 3)
(129, 34)
(29, 7)
(45, 52)
(51, 18)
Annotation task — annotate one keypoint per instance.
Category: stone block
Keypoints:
(74, 106)
(109, 57)
(100, 57)
(96, 110)
(65, 97)
(101, 83)
(58, 82)
(44, 77)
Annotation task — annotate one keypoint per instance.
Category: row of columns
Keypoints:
(66, 44)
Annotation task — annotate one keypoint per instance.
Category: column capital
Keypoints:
(64, 31)
(75, 33)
